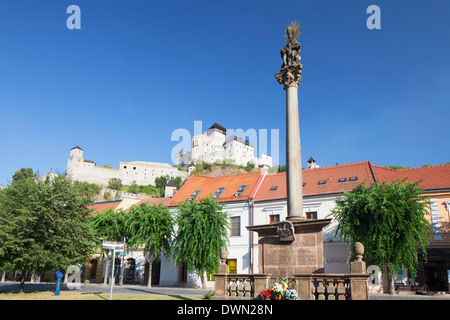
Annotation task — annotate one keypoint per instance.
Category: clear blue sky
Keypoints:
(139, 69)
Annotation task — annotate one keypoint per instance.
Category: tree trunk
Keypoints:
(150, 267)
(3, 276)
(203, 279)
(22, 282)
(105, 280)
(391, 285)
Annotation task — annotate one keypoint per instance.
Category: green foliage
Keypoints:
(202, 233)
(86, 189)
(43, 225)
(107, 196)
(389, 220)
(106, 166)
(160, 183)
(115, 184)
(398, 167)
(110, 225)
(23, 173)
(133, 188)
(282, 168)
(250, 166)
(151, 226)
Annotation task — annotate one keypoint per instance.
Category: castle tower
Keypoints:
(75, 159)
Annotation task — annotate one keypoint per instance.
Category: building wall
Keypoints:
(440, 217)
(144, 173)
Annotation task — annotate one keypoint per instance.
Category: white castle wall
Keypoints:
(144, 173)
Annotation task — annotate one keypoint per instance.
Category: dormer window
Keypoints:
(342, 180)
(218, 193)
(194, 195)
(240, 191)
(273, 188)
(353, 179)
(322, 182)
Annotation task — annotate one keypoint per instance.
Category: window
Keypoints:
(274, 218)
(124, 167)
(240, 191)
(194, 195)
(235, 223)
(342, 180)
(218, 193)
(353, 179)
(311, 215)
(274, 188)
(304, 185)
(322, 182)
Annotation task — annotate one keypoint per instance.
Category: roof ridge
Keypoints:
(340, 165)
(430, 166)
(230, 175)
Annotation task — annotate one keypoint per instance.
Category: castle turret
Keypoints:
(75, 159)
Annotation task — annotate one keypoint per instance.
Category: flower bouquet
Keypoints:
(284, 289)
(266, 294)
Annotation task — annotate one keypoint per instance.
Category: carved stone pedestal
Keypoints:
(283, 254)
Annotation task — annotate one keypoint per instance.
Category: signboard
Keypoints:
(118, 246)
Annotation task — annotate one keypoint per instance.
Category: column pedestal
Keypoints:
(283, 256)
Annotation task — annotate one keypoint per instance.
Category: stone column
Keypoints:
(293, 156)
(290, 76)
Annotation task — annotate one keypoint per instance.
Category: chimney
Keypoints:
(312, 163)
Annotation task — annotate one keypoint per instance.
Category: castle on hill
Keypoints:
(144, 173)
(213, 147)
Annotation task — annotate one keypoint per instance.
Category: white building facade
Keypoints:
(213, 147)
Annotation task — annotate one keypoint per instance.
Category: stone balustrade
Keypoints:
(314, 286)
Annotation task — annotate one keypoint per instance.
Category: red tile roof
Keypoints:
(104, 205)
(434, 177)
(311, 177)
(209, 185)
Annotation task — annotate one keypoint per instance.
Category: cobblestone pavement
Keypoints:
(179, 291)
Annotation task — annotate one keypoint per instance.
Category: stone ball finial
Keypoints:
(223, 255)
(358, 249)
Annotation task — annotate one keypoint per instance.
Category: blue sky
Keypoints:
(139, 69)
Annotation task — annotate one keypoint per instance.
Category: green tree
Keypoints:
(133, 188)
(23, 173)
(109, 225)
(115, 184)
(151, 227)
(202, 233)
(389, 220)
(43, 225)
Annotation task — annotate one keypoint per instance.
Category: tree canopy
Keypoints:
(389, 220)
(43, 225)
(202, 234)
